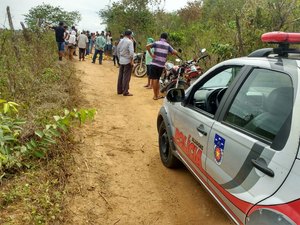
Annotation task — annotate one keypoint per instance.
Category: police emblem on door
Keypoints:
(219, 148)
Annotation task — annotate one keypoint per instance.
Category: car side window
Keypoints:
(208, 96)
(263, 104)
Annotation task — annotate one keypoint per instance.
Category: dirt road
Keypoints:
(117, 176)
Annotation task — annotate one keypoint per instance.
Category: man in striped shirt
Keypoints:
(161, 50)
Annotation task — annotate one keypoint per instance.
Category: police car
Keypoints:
(237, 129)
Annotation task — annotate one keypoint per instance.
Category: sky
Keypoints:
(87, 8)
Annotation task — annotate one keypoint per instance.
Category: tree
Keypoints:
(191, 12)
(242, 25)
(228, 28)
(128, 14)
(46, 14)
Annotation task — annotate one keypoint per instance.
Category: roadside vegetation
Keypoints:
(226, 29)
(38, 101)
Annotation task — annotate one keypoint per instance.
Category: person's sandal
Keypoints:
(159, 97)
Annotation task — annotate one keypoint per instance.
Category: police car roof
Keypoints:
(283, 40)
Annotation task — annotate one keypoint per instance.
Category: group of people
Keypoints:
(122, 52)
(156, 57)
(69, 40)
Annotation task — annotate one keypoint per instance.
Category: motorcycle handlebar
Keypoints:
(186, 63)
(203, 57)
(179, 57)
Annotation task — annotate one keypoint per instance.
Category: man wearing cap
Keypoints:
(161, 50)
(125, 52)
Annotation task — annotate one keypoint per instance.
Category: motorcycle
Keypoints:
(139, 65)
(184, 75)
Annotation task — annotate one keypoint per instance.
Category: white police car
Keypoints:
(237, 129)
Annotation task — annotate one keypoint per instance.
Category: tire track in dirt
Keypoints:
(117, 176)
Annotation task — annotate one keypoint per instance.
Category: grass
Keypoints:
(35, 195)
(31, 75)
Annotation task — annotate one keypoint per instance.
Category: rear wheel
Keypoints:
(140, 70)
(166, 153)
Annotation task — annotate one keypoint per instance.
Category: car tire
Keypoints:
(165, 148)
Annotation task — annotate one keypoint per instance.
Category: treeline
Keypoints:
(227, 28)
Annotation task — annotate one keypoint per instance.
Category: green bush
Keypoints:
(14, 151)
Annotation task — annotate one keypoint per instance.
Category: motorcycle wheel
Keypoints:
(140, 70)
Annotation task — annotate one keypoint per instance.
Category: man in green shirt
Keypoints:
(148, 60)
(100, 43)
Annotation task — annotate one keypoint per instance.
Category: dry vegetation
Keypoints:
(32, 188)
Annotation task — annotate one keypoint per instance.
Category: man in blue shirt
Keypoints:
(125, 52)
(100, 43)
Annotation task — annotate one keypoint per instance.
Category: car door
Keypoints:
(246, 161)
(194, 118)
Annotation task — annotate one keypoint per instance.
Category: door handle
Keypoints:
(261, 165)
(201, 129)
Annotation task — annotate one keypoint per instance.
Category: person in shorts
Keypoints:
(72, 44)
(148, 60)
(60, 39)
(159, 57)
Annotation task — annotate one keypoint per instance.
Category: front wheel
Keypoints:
(140, 70)
(166, 155)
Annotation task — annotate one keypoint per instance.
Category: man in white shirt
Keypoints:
(72, 44)
(125, 53)
(82, 41)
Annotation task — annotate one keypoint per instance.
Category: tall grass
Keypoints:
(31, 75)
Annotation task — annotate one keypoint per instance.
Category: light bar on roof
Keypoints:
(281, 37)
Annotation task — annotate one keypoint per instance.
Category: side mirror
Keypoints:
(176, 95)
